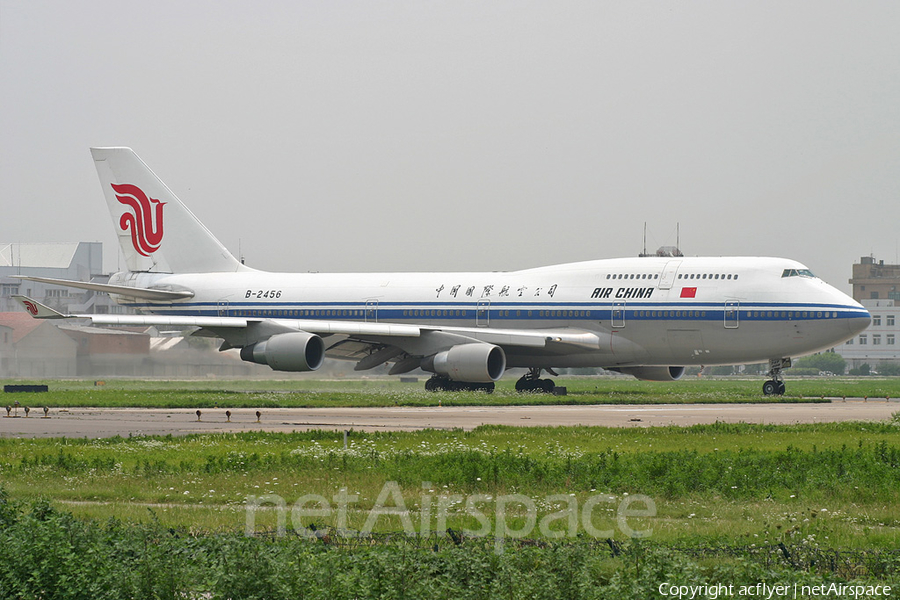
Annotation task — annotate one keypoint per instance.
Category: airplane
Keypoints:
(649, 317)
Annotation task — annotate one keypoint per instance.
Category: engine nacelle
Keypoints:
(653, 373)
(294, 351)
(473, 363)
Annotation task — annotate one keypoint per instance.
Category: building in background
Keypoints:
(6, 349)
(877, 287)
(78, 261)
(34, 348)
(874, 280)
(880, 343)
(110, 352)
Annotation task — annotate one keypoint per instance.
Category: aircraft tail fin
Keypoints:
(157, 233)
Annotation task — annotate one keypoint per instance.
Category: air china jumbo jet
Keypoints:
(648, 317)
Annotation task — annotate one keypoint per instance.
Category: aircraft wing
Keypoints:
(348, 340)
(42, 311)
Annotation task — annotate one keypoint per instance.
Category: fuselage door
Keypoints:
(483, 313)
(667, 279)
(618, 314)
(732, 314)
(371, 311)
(222, 308)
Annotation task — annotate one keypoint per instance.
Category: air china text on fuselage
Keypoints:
(466, 329)
(624, 293)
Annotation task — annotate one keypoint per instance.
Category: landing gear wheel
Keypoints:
(775, 386)
(437, 384)
(532, 382)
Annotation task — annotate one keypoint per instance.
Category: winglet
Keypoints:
(38, 310)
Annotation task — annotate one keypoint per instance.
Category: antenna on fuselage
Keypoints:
(664, 250)
(644, 252)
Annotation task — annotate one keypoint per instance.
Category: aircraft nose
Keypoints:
(859, 322)
(854, 315)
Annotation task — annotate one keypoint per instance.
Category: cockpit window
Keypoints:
(797, 273)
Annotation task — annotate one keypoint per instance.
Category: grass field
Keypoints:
(391, 392)
(822, 488)
(49, 554)
(837, 484)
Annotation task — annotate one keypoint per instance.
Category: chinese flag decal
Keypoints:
(688, 292)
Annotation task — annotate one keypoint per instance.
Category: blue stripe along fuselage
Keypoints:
(570, 311)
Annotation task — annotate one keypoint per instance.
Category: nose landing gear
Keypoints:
(775, 386)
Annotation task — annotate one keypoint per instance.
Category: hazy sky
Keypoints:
(370, 136)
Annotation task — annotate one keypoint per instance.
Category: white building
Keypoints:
(878, 344)
(78, 261)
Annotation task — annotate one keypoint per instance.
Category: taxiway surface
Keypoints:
(109, 422)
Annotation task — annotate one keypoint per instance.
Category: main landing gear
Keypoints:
(532, 382)
(440, 383)
(775, 385)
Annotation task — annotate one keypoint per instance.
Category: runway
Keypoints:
(110, 422)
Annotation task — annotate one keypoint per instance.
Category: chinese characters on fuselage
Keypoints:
(487, 291)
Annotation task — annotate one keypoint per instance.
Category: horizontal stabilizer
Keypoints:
(38, 310)
(121, 290)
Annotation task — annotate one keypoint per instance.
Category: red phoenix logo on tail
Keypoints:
(31, 307)
(146, 222)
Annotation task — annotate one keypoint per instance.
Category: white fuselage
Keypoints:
(645, 311)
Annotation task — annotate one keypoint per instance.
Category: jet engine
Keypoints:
(653, 373)
(294, 351)
(475, 363)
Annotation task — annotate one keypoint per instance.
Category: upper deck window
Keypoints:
(797, 273)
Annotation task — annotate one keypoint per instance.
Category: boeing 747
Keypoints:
(649, 316)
